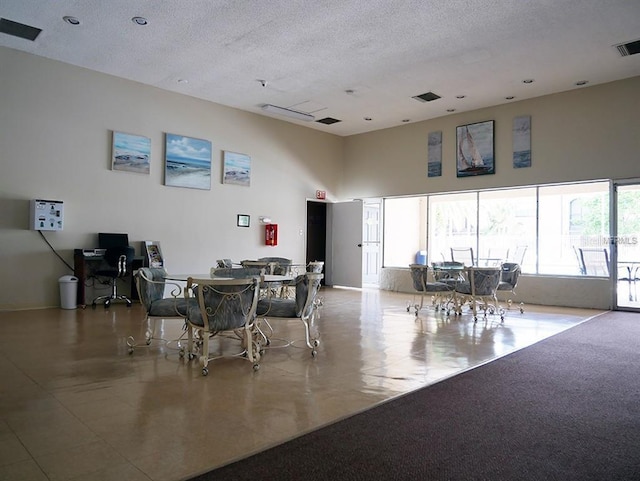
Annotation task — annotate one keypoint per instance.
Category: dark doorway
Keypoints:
(316, 231)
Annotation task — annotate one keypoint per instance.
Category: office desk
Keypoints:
(85, 266)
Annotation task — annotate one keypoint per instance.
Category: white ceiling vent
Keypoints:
(629, 48)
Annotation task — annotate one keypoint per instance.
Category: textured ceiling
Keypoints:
(345, 59)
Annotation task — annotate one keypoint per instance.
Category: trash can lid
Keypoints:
(68, 279)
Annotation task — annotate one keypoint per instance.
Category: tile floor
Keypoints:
(74, 405)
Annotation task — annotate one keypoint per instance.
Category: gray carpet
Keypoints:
(566, 408)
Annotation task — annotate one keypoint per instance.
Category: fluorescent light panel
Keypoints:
(294, 114)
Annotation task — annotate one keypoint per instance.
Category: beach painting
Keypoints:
(522, 142)
(187, 162)
(131, 153)
(434, 154)
(236, 168)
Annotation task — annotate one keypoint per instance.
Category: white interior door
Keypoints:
(346, 243)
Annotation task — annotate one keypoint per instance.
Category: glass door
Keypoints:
(625, 245)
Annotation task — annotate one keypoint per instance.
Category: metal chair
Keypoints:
(419, 277)
(509, 274)
(303, 306)
(217, 306)
(151, 286)
(464, 255)
(594, 262)
(480, 289)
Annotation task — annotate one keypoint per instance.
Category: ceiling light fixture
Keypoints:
(460, 96)
(294, 114)
(527, 81)
(509, 97)
(580, 83)
(451, 110)
(368, 119)
(71, 20)
(406, 120)
(140, 21)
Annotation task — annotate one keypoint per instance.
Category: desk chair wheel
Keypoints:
(205, 371)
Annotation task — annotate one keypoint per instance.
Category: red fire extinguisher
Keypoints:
(271, 235)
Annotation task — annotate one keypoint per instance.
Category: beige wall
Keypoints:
(55, 143)
(588, 133)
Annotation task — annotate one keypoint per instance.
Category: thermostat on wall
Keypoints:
(46, 214)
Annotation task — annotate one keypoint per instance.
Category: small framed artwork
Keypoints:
(187, 162)
(154, 254)
(236, 168)
(475, 149)
(244, 220)
(131, 153)
(434, 154)
(522, 142)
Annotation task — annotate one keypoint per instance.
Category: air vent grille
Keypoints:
(19, 29)
(427, 97)
(629, 48)
(328, 121)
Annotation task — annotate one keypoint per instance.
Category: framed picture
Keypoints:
(236, 168)
(521, 142)
(475, 149)
(243, 220)
(130, 153)
(434, 154)
(187, 162)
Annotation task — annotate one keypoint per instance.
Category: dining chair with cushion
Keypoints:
(216, 307)
(151, 284)
(480, 289)
(509, 274)
(303, 306)
(440, 291)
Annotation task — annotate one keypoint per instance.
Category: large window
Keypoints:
(540, 227)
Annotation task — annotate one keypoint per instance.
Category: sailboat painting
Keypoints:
(475, 149)
(434, 154)
(522, 142)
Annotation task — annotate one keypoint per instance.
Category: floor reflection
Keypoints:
(76, 405)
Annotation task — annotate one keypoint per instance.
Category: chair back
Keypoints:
(594, 262)
(222, 263)
(464, 255)
(279, 266)
(510, 271)
(150, 282)
(307, 286)
(484, 280)
(222, 304)
(419, 276)
(517, 256)
(119, 259)
(315, 266)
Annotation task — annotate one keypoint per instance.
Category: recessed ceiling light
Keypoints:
(451, 110)
(580, 83)
(183, 81)
(406, 120)
(140, 21)
(509, 97)
(349, 91)
(527, 81)
(368, 119)
(71, 20)
(460, 96)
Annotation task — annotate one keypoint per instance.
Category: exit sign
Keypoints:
(321, 194)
